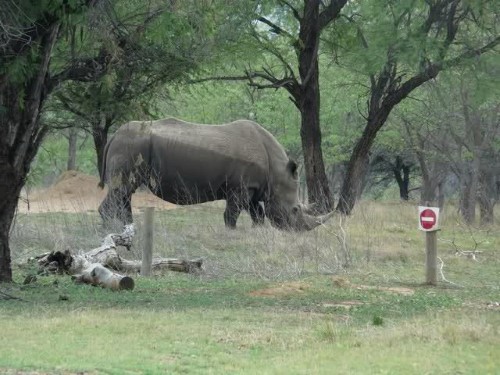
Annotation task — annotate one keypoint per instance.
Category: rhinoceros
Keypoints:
(186, 163)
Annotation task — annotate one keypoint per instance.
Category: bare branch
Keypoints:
(442, 275)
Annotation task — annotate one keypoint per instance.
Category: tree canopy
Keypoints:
(353, 90)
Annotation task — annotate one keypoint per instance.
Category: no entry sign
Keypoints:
(428, 218)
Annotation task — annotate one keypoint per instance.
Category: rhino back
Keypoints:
(195, 163)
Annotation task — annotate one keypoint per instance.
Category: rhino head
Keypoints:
(283, 208)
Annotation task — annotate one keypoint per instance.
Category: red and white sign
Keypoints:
(428, 218)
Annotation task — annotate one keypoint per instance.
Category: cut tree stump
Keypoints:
(99, 266)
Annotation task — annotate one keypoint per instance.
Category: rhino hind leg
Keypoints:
(231, 213)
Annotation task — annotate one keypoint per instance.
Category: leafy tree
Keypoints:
(152, 46)
(425, 137)
(29, 33)
(400, 45)
(466, 108)
(288, 32)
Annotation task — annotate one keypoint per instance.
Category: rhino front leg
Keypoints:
(232, 212)
(256, 213)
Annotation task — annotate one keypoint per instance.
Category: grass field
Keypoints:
(347, 298)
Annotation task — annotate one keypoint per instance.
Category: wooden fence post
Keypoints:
(147, 251)
(431, 257)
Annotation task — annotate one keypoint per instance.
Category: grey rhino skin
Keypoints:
(185, 163)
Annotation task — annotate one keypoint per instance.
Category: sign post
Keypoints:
(428, 222)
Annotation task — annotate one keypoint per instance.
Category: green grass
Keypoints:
(268, 302)
(182, 324)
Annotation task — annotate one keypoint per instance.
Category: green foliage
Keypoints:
(152, 52)
(19, 17)
(223, 38)
(221, 103)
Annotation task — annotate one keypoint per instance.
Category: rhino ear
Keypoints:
(292, 168)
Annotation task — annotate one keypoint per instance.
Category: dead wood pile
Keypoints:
(101, 266)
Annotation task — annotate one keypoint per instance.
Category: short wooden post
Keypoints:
(147, 251)
(431, 257)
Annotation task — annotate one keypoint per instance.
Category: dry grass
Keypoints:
(377, 233)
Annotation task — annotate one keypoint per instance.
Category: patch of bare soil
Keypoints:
(343, 282)
(78, 192)
(281, 290)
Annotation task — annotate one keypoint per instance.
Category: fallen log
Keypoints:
(171, 264)
(93, 266)
(99, 266)
(99, 275)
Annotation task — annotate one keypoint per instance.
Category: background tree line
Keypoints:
(357, 93)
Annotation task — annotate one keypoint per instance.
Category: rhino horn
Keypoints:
(310, 208)
(310, 221)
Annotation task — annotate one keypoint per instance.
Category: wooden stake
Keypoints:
(431, 257)
(147, 251)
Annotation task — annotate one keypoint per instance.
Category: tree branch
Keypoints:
(275, 28)
(221, 78)
(83, 70)
(330, 13)
(66, 105)
(295, 12)
(433, 70)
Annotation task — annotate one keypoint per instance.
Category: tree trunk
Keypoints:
(402, 180)
(10, 188)
(20, 136)
(309, 104)
(466, 210)
(429, 192)
(486, 196)
(486, 210)
(469, 190)
(316, 180)
(358, 163)
(100, 135)
(72, 144)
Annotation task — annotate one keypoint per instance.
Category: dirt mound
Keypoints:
(72, 185)
(78, 192)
